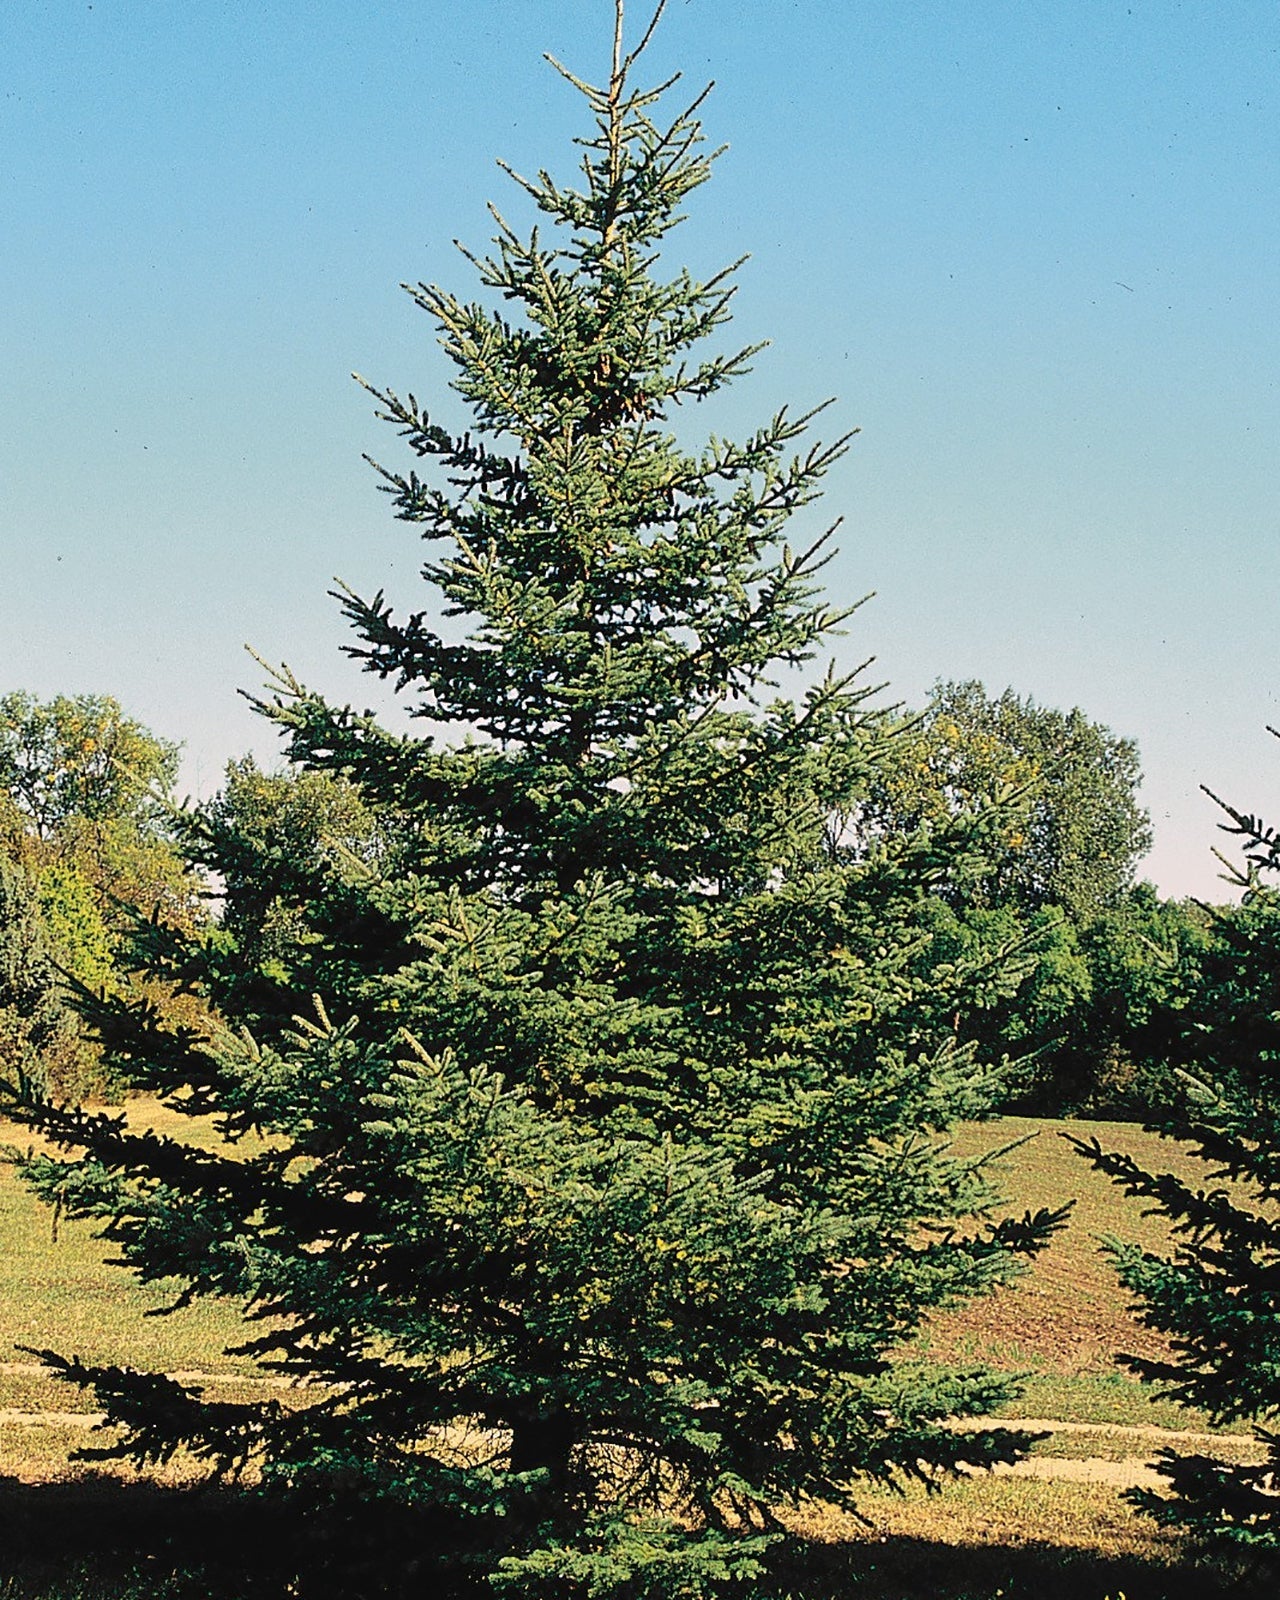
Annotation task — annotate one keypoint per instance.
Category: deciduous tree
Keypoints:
(1080, 831)
(38, 1034)
(79, 757)
(84, 818)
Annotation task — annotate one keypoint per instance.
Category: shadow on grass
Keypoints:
(907, 1568)
(101, 1538)
(98, 1538)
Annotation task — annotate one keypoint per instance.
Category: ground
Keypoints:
(1055, 1525)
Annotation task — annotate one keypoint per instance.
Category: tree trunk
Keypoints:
(545, 1443)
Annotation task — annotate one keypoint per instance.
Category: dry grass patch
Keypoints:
(1069, 1315)
(1001, 1538)
(997, 1509)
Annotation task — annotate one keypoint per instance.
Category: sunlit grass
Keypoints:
(60, 1293)
(1004, 1510)
(1061, 1326)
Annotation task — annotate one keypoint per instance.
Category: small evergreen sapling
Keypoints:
(600, 1077)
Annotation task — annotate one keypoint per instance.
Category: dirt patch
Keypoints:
(1133, 1472)
(1146, 1431)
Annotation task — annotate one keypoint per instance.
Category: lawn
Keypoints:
(1068, 1319)
(1061, 1326)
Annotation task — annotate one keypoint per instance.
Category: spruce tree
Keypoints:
(1217, 1295)
(600, 1070)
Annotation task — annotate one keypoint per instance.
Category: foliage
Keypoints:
(83, 816)
(1057, 884)
(37, 1033)
(1227, 1028)
(1115, 1051)
(79, 757)
(1215, 1297)
(1145, 958)
(598, 1074)
(1081, 831)
(77, 935)
(1097, 1016)
(1029, 982)
(281, 842)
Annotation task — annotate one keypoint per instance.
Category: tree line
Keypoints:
(86, 855)
(585, 1060)
(1103, 986)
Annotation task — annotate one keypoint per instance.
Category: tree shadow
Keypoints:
(903, 1567)
(97, 1537)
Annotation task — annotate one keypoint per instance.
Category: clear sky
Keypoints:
(1033, 249)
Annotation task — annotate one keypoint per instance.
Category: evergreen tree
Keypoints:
(1216, 1296)
(600, 1076)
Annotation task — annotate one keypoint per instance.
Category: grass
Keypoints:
(56, 1290)
(1063, 1323)
(1105, 1398)
(1061, 1326)
(1009, 1539)
(1068, 1319)
(1111, 1444)
(111, 1540)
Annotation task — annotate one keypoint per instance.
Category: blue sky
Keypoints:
(1032, 249)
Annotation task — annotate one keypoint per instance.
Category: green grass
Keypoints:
(1102, 1398)
(982, 1538)
(1103, 1444)
(1107, 1398)
(59, 1292)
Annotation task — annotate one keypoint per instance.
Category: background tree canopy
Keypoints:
(86, 838)
(80, 758)
(1081, 832)
(1055, 883)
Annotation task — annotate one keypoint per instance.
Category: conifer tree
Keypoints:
(1216, 1296)
(600, 1076)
